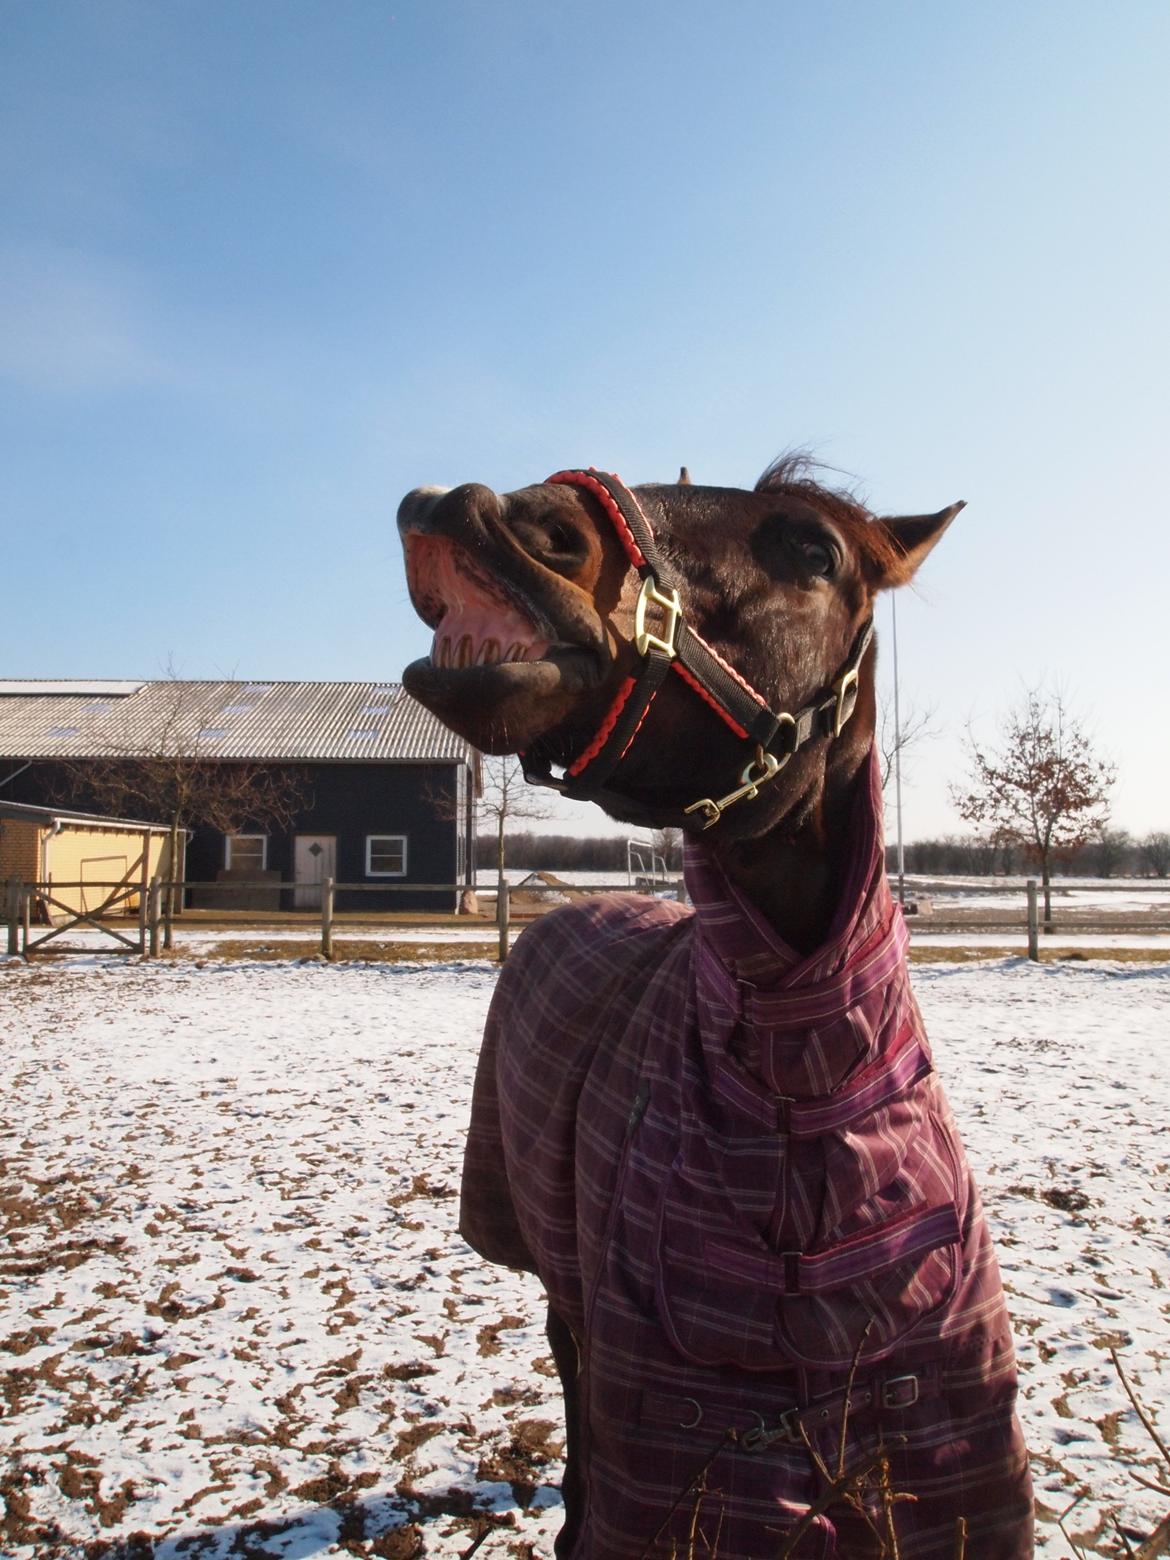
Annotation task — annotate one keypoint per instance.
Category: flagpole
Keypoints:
(898, 753)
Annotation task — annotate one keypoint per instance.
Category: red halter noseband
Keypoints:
(676, 646)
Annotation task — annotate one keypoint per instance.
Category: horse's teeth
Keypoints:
(441, 653)
(464, 653)
(488, 653)
(516, 652)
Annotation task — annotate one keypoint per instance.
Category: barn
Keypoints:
(348, 780)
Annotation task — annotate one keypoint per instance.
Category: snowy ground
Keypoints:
(238, 1319)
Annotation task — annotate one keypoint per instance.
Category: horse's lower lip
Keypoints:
(561, 668)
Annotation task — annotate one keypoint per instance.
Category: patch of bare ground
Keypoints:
(352, 951)
(79, 1477)
(522, 1461)
(410, 1439)
(170, 1309)
(488, 1337)
(423, 1186)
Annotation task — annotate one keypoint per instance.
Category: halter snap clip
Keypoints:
(764, 767)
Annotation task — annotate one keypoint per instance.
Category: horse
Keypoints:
(715, 1132)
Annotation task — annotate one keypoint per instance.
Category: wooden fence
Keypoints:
(155, 918)
(154, 926)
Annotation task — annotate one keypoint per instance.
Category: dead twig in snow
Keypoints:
(1151, 1429)
(1158, 1542)
(1072, 1544)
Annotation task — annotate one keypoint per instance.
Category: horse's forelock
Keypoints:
(792, 476)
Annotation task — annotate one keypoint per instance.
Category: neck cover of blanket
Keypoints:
(736, 1174)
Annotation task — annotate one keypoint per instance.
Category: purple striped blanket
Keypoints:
(736, 1174)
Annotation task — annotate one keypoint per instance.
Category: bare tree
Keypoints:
(506, 799)
(668, 843)
(1111, 852)
(1154, 852)
(914, 727)
(164, 771)
(1043, 787)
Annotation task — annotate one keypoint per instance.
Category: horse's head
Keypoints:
(536, 599)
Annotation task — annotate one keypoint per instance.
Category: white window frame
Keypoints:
(372, 871)
(227, 848)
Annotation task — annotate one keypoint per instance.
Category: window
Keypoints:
(246, 852)
(385, 855)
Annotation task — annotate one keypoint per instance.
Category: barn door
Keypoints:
(314, 859)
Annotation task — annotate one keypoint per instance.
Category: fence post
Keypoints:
(154, 913)
(327, 918)
(12, 913)
(502, 907)
(25, 892)
(1033, 923)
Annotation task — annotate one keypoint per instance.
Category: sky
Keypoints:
(264, 267)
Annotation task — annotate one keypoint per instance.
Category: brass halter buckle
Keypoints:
(848, 683)
(764, 767)
(672, 612)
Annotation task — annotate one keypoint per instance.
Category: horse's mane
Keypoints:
(792, 476)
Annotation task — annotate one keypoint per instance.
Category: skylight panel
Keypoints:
(64, 732)
(213, 733)
(362, 734)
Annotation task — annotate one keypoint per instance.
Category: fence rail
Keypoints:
(154, 918)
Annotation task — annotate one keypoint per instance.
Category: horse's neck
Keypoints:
(795, 886)
(796, 877)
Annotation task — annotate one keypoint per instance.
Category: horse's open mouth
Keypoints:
(476, 622)
(488, 646)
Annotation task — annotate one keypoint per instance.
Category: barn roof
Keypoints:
(375, 722)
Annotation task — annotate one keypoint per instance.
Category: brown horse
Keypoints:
(717, 1135)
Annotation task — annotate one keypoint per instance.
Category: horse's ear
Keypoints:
(684, 477)
(913, 537)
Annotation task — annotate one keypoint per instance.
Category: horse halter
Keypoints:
(676, 646)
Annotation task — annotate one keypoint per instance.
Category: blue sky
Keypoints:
(266, 266)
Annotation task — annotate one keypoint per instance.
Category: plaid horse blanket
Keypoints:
(735, 1172)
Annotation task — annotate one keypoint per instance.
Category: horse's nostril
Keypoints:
(552, 542)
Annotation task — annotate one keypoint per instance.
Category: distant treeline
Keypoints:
(1114, 853)
(558, 853)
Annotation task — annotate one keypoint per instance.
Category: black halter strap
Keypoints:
(666, 642)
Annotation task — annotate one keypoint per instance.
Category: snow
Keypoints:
(239, 1317)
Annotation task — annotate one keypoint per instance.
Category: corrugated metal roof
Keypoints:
(227, 720)
(109, 688)
(45, 817)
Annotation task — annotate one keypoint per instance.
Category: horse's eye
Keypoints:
(820, 557)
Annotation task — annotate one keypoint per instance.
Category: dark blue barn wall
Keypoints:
(347, 800)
